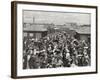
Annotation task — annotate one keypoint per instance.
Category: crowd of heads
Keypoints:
(57, 49)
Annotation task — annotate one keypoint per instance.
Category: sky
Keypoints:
(56, 17)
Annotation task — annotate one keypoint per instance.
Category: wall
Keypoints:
(5, 40)
(84, 37)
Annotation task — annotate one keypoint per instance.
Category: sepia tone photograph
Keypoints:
(54, 39)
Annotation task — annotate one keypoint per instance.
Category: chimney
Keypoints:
(33, 19)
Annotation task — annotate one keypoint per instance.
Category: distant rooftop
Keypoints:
(35, 27)
(84, 30)
(81, 29)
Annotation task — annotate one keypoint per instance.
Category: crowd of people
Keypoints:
(57, 49)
